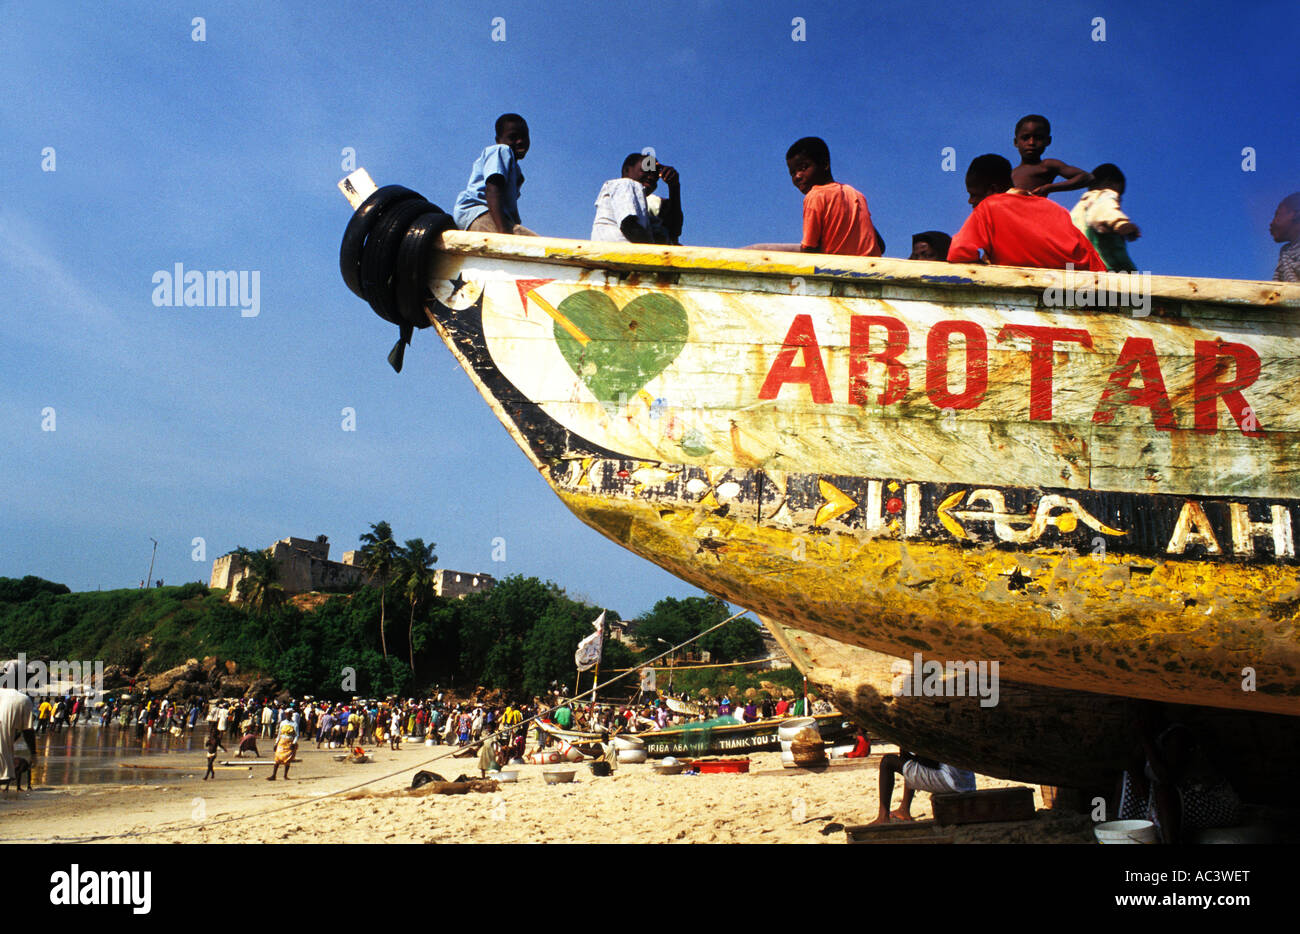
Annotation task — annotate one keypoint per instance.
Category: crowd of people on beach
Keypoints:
(451, 722)
(504, 729)
(1013, 222)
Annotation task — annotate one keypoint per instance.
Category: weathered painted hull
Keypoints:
(1037, 734)
(914, 456)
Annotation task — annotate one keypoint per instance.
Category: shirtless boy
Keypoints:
(1034, 174)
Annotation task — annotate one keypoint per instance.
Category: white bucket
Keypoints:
(631, 755)
(1125, 831)
(628, 742)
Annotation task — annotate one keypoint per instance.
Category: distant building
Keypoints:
(304, 566)
(618, 631)
(457, 584)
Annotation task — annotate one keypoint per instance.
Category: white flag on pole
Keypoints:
(588, 654)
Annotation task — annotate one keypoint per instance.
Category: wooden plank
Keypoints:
(872, 761)
(986, 806)
(657, 258)
(357, 187)
(919, 831)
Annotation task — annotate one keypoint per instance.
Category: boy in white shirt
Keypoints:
(1100, 218)
(622, 211)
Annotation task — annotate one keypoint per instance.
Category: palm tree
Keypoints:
(415, 572)
(379, 554)
(260, 586)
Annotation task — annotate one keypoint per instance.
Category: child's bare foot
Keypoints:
(900, 814)
(270, 778)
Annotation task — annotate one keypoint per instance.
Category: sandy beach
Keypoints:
(635, 805)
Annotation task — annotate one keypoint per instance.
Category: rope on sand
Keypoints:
(342, 791)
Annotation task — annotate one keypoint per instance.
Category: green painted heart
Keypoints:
(628, 346)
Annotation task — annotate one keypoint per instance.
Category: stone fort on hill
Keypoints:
(304, 566)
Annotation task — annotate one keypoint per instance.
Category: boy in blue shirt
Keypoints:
(490, 202)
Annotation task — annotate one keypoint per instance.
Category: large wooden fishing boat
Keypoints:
(974, 462)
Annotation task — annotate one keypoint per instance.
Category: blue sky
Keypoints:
(223, 154)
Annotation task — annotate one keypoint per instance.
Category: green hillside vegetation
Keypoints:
(519, 637)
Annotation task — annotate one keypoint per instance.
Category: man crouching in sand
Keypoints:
(249, 744)
(918, 775)
(286, 744)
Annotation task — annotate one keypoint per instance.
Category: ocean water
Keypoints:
(88, 755)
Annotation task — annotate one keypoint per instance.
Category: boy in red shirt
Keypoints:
(1015, 228)
(835, 216)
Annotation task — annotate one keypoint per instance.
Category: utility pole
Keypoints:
(149, 582)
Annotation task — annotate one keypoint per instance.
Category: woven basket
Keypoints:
(807, 749)
(804, 754)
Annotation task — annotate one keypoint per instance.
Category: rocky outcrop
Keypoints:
(195, 680)
(116, 677)
(261, 687)
(232, 685)
(163, 684)
(188, 691)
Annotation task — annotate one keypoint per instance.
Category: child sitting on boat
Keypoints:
(623, 207)
(835, 216)
(1034, 174)
(490, 202)
(1285, 229)
(1102, 221)
(1015, 228)
(930, 245)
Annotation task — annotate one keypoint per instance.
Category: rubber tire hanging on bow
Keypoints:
(412, 274)
(384, 258)
(379, 259)
(369, 213)
(411, 278)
